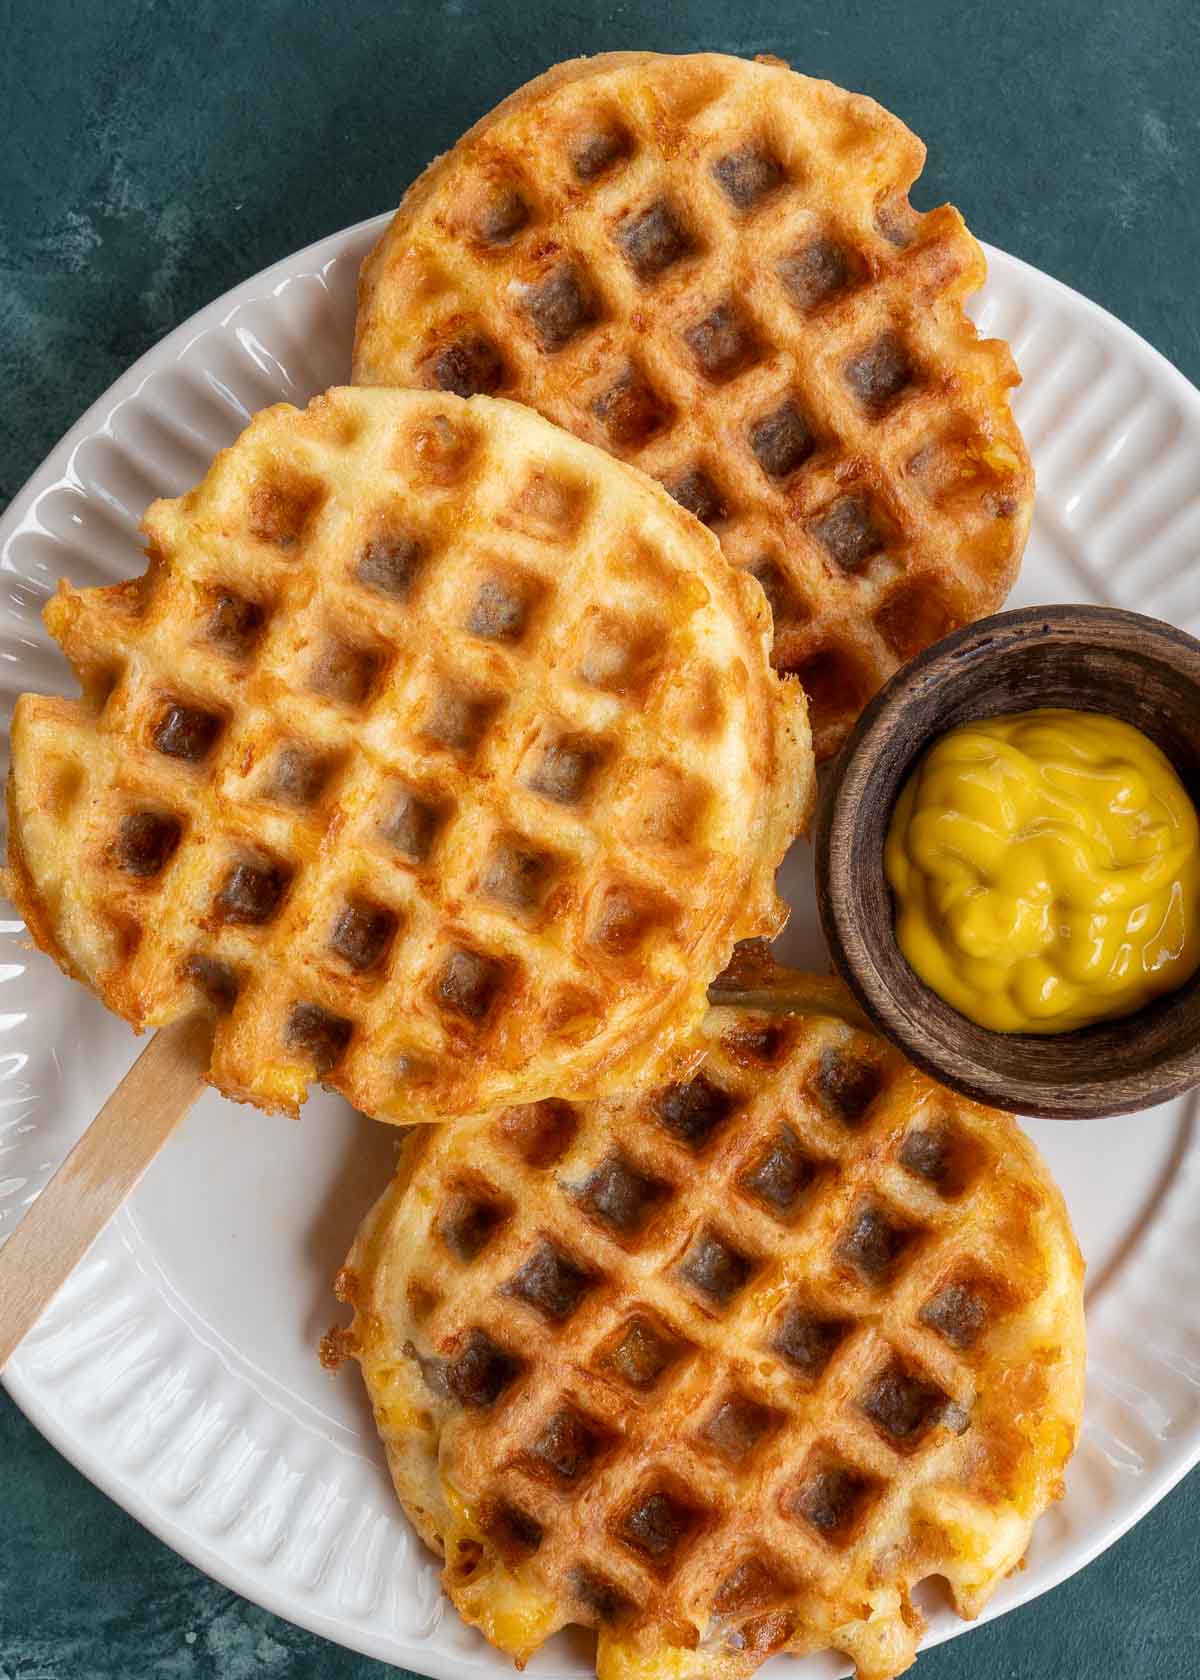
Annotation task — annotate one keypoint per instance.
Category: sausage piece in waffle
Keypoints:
(725, 1368)
(710, 267)
(437, 753)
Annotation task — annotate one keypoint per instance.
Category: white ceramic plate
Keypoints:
(178, 1368)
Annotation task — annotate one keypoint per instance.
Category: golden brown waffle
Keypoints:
(437, 753)
(727, 1368)
(710, 267)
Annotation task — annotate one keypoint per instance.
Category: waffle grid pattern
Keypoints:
(416, 754)
(709, 1354)
(710, 268)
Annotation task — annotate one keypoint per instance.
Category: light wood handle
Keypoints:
(98, 1174)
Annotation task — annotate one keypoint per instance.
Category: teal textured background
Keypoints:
(154, 154)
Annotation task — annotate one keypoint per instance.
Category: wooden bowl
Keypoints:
(1093, 659)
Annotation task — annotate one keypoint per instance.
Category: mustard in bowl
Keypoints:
(1045, 868)
(1052, 876)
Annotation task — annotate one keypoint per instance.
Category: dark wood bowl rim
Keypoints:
(863, 955)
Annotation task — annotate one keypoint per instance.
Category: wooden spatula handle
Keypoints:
(98, 1174)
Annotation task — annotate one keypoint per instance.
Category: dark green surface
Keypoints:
(155, 154)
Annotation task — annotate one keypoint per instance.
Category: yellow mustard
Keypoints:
(1045, 867)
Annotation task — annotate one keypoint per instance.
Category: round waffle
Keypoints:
(726, 1368)
(436, 753)
(710, 267)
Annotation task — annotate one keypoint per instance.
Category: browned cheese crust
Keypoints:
(727, 1367)
(710, 267)
(437, 754)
